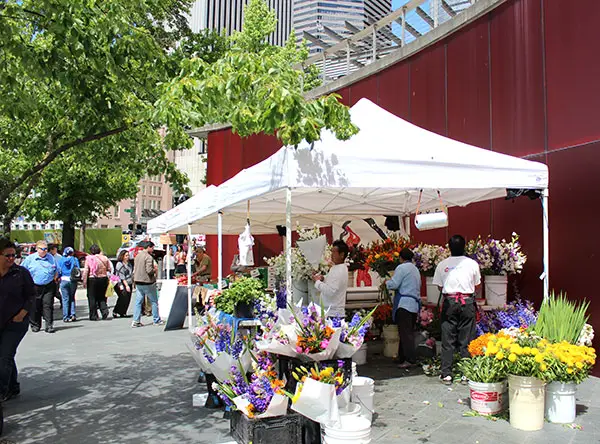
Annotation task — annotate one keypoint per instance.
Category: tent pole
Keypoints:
(189, 276)
(288, 244)
(220, 244)
(407, 225)
(546, 228)
(168, 273)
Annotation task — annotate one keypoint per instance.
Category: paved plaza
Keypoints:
(104, 382)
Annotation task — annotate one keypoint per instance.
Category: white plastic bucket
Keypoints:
(526, 401)
(360, 357)
(433, 292)
(354, 372)
(363, 392)
(488, 398)
(391, 341)
(560, 402)
(352, 429)
(496, 290)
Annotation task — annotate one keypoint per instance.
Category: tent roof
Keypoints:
(379, 171)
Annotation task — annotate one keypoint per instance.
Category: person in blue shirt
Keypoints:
(407, 303)
(68, 286)
(43, 270)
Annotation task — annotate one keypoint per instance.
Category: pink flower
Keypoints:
(324, 344)
(299, 349)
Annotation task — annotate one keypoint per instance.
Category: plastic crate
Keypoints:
(278, 430)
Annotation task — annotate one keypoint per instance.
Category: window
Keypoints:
(158, 191)
(52, 226)
(116, 212)
(143, 204)
(143, 189)
(103, 226)
(158, 204)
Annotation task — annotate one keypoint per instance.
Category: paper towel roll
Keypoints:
(429, 221)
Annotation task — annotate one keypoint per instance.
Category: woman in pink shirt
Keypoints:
(95, 279)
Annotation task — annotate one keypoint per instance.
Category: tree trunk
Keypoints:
(68, 233)
(82, 237)
(6, 221)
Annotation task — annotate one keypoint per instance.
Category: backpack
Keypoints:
(75, 274)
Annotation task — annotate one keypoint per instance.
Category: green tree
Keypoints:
(255, 87)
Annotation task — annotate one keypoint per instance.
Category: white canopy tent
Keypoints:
(380, 171)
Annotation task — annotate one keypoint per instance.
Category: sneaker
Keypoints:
(136, 324)
(50, 329)
(446, 380)
(464, 380)
(35, 329)
(161, 322)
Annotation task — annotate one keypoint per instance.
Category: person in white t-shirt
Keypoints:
(457, 277)
(333, 286)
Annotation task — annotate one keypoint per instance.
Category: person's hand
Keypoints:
(19, 316)
(317, 277)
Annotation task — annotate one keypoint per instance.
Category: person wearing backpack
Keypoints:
(70, 274)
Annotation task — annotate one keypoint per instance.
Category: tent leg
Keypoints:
(220, 248)
(407, 225)
(288, 244)
(546, 229)
(189, 275)
(168, 272)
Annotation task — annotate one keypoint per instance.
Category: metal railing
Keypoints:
(381, 38)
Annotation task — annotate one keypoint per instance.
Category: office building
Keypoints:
(229, 15)
(319, 18)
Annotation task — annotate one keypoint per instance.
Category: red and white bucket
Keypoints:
(488, 398)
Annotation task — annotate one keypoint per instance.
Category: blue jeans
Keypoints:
(67, 293)
(140, 292)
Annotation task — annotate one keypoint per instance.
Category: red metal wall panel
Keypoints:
(572, 72)
(574, 211)
(366, 88)
(468, 85)
(517, 78)
(428, 89)
(394, 90)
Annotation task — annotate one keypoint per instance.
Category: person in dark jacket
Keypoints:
(17, 296)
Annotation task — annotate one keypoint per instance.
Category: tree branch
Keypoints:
(53, 154)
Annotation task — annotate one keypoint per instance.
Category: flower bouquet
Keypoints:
(278, 334)
(497, 257)
(353, 333)
(258, 396)
(519, 313)
(357, 257)
(428, 256)
(383, 315)
(221, 348)
(384, 256)
(316, 338)
(317, 391)
(572, 363)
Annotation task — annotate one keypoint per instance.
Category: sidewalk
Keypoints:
(104, 382)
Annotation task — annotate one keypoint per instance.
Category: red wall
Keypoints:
(523, 80)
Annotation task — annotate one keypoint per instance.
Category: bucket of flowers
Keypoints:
(426, 259)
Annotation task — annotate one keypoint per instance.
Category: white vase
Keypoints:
(300, 291)
(526, 398)
(391, 340)
(560, 402)
(496, 290)
(488, 398)
(351, 279)
(433, 292)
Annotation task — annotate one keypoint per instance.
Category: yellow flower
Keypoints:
(493, 349)
(579, 365)
(543, 367)
(569, 370)
(539, 358)
(526, 350)
(500, 355)
(512, 357)
(535, 351)
(396, 254)
(377, 256)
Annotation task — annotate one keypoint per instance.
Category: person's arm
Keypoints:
(396, 280)
(329, 285)
(85, 273)
(28, 297)
(437, 278)
(149, 265)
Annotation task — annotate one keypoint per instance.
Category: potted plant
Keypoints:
(486, 373)
(563, 323)
(426, 259)
(239, 298)
(497, 259)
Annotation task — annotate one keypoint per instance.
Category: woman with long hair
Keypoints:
(95, 279)
(124, 271)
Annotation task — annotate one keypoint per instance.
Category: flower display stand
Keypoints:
(279, 429)
(560, 402)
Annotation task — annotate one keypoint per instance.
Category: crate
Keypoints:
(278, 430)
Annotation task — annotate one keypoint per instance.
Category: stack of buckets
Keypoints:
(356, 418)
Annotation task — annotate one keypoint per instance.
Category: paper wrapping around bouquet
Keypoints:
(313, 250)
(430, 221)
(221, 368)
(277, 406)
(346, 350)
(317, 401)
